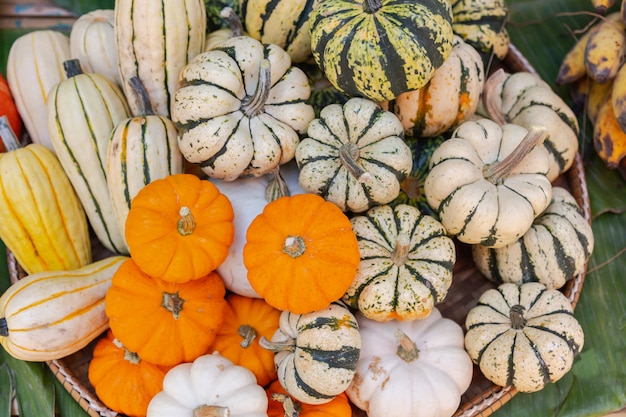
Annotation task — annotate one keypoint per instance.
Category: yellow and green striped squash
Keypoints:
(379, 49)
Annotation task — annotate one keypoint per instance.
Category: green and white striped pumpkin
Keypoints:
(154, 41)
(523, 336)
(281, 22)
(407, 260)
(379, 49)
(553, 251)
(354, 155)
(82, 111)
(316, 353)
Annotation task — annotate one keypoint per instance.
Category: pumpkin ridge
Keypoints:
(344, 357)
(543, 367)
(575, 347)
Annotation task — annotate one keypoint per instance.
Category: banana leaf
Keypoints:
(543, 31)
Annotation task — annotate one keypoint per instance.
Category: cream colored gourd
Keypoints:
(52, 314)
(524, 336)
(142, 149)
(92, 42)
(488, 182)
(554, 250)
(354, 155)
(34, 66)
(82, 111)
(154, 41)
(43, 222)
(416, 367)
(407, 260)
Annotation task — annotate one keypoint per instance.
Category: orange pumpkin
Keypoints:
(301, 253)
(280, 404)
(246, 320)
(9, 109)
(179, 228)
(122, 381)
(165, 323)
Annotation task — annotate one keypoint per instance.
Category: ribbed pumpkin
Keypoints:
(523, 336)
(154, 41)
(281, 404)
(281, 22)
(354, 155)
(553, 251)
(241, 108)
(9, 110)
(52, 314)
(301, 253)
(82, 111)
(407, 260)
(379, 49)
(43, 222)
(164, 323)
(316, 353)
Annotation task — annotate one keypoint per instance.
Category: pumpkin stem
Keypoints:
(72, 68)
(186, 223)
(173, 303)
(4, 328)
(292, 408)
(129, 356)
(276, 187)
(401, 249)
(493, 107)
(287, 345)
(497, 171)
(145, 107)
(233, 21)
(253, 105)
(349, 155)
(372, 6)
(294, 246)
(248, 333)
(516, 314)
(7, 135)
(407, 349)
(211, 411)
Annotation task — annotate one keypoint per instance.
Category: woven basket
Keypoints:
(482, 397)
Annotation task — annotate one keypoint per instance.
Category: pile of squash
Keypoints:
(254, 209)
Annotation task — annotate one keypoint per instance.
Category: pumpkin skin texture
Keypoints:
(478, 201)
(179, 228)
(164, 323)
(212, 385)
(301, 253)
(390, 373)
(379, 49)
(246, 321)
(281, 404)
(523, 336)
(407, 260)
(354, 155)
(316, 353)
(241, 108)
(554, 250)
(122, 381)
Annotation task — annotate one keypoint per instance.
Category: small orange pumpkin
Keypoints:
(9, 109)
(123, 382)
(165, 323)
(246, 320)
(301, 253)
(179, 228)
(280, 404)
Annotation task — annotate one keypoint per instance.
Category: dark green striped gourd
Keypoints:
(316, 353)
(380, 48)
(281, 22)
(82, 111)
(554, 250)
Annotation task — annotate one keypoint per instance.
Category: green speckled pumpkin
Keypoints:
(379, 49)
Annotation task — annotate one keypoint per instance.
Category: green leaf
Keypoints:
(79, 7)
(6, 382)
(67, 406)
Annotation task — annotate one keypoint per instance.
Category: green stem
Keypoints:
(372, 6)
(145, 107)
(248, 333)
(233, 21)
(349, 156)
(407, 349)
(517, 317)
(4, 328)
(211, 411)
(253, 105)
(72, 68)
(186, 222)
(287, 345)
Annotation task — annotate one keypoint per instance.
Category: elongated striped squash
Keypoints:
(34, 66)
(284, 23)
(82, 111)
(380, 48)
(316, 353)
(43, 222)
(52, 314)
(154, 41)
